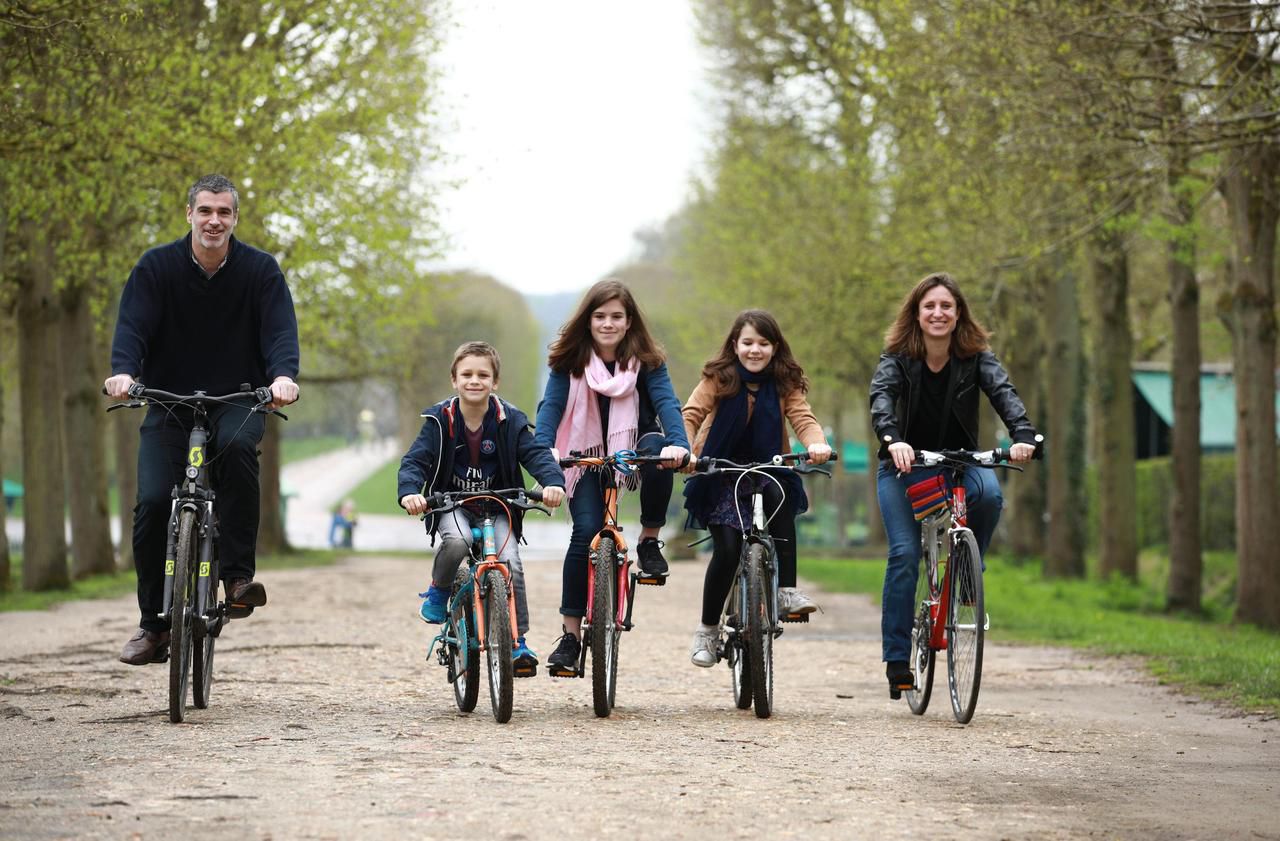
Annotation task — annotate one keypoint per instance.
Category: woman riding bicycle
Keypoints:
(736, 412)
(925, 394)
(608, 390)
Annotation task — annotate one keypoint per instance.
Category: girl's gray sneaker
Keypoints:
(705, 642)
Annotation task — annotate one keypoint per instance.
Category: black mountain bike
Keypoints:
(751, 622)
(191, 605)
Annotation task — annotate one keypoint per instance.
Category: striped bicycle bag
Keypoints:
(928, 496)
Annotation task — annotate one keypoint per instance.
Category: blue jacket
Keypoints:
(659, 408)
(424, 470)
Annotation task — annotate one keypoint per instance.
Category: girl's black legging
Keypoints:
(727, 541)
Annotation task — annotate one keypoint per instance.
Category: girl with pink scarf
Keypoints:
(608, 390)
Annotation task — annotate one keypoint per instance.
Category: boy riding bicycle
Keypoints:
(475, 441)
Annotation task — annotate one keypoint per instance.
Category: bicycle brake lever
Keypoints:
(130, 404)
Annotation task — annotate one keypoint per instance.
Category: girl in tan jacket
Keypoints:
(737, 412)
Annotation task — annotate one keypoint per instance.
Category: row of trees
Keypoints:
(317, 109)
(1068, 161)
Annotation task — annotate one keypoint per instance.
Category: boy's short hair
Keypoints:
(476, 349)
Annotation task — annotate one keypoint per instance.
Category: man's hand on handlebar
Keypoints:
(283, 392)
(117, 386)
(414, 503)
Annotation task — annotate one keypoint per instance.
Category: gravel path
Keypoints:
(326, 722)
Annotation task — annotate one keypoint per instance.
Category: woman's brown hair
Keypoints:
(905, 336)
(722, 369)
(571, 350)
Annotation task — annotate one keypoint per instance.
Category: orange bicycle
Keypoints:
(610, 581)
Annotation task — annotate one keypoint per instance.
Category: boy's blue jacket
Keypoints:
(423, 470)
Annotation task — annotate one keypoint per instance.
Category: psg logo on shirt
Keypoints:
(487, 447)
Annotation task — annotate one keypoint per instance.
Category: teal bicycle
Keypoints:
(481, 615)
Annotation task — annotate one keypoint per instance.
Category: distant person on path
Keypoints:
(475, 441)
(342, 529)
(748, 392)
(924, 394)
(208, 313)
(608, 390)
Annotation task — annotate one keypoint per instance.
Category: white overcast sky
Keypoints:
(567, 125)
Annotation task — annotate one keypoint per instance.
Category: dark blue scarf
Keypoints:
(724, 439)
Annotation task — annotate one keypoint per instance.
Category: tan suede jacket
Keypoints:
(700, 412)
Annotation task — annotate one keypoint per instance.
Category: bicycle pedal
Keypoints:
(524, 671)
(238, 611)
(794, 617)
(651, 580)
(562, 671)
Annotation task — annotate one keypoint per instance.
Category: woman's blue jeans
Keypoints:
(898, 605)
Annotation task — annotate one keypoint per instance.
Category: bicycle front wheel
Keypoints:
(497, 635)
(603, 637)
(923, 657)
(739, 667)
(759, 639)
(180, 615)
(464, 654)
(966, 625)
(202, 649)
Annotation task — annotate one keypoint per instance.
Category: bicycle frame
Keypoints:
(609, 488)
(954, 522)
(480, 567)
(195, 494)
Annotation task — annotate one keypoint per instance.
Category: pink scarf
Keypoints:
(579, 428)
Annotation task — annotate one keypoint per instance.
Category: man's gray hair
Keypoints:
(213, 184)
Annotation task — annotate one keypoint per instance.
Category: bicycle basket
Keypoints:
(928, 496)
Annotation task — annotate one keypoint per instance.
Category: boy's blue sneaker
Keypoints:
(523, 661)
(434, 605)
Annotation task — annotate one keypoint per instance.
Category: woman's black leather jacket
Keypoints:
(895, 391)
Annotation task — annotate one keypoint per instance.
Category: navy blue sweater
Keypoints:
(180, 331)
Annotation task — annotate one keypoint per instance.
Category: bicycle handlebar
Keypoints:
(443, 502)
(784, 461)
(622, 457)
(141, 394)
(999, 457)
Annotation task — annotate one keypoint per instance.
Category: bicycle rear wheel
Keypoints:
(180, 615)
(202, 649)
(966, 620)
(464, 655)
(603, 637)
(759, 639)
(739, 667)
(923, 657)
(497, 637)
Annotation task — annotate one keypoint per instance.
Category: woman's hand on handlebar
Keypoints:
(553, 496)
(903, 456)
(414, 503)
(819, 453)
(117, 386)
(1021, 452)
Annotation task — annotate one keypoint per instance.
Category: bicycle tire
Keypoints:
(759, 640)
(498, 644)
(180, 615)
(464, 655)
(202, 653)
(966, 619)
(923, 657)
(739, 668)
(603, 637)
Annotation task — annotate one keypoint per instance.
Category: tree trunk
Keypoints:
(44, 552)
(1185, 565)
(125, 430)
(1065, 430)
(1112, 404)
(875, 523)
(272, 539)
(1252, 192)
(1024, 492)
(6, 570)
(84, 438)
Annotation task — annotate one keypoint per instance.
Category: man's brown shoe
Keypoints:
(146, 647)
(246, 591)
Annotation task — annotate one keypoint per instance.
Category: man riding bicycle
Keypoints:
(206, 312)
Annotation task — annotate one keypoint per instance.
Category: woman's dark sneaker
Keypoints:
(900, 678)
(563, 662)
(649, 555)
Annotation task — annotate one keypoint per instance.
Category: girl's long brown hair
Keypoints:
(905, 336)
(722, 369)
(571, 350)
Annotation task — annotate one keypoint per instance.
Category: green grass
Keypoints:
(1236, 663)
(296, 449)
(120, 583)
(377, 494)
